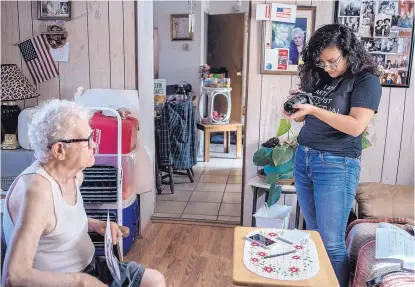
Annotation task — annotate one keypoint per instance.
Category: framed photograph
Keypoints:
(54, 10)
(386, 29)
(180, 30)
(282, 43)
(350, 8)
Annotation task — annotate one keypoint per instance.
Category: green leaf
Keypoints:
(274, 194)
(262, 157)
(272, 177)
(281, 155)
(284, 127)
(365, 143)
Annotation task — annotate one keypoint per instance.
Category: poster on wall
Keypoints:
(386, 29)
(283, 42)
(160, 92)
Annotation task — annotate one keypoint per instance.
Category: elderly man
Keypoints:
(296, 46)
(45, 224)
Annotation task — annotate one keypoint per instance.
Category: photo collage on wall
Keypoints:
(385, 28)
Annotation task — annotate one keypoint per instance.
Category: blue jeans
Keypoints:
(326, 186)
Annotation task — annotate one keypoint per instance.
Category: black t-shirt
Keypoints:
(339, 95)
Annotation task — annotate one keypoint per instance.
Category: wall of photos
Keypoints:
(389, 160)
(386, 29)
(102, 51)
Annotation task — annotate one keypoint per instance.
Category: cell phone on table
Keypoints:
(261, 240)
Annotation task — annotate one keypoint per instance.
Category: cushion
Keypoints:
(384, 200)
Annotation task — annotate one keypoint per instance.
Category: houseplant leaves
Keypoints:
(284, 127)
(262, 157)
(274, 194)
(281, 155)
(365, 141)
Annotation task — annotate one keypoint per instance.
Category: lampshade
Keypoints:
(14, 84)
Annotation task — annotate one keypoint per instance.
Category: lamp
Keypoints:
(14, 86)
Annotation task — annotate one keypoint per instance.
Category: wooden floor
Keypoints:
(188, 255)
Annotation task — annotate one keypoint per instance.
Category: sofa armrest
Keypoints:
(377, 200)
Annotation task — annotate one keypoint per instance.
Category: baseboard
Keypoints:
(186, 221)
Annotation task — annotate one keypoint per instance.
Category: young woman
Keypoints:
(341, 75)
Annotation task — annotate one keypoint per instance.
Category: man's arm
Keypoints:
(95, 225)
(98, 226)
(31, 222)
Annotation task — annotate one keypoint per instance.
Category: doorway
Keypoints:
(216, 193)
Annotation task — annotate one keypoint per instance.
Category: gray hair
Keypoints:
(297, 31)
(53, 120)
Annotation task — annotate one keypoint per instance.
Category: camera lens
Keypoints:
(289, 107)
(298, 99)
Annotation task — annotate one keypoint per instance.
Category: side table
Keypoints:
(257, 183)
(242, 276)
(225, 128)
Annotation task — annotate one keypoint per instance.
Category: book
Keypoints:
(294, 236)
(395, 243)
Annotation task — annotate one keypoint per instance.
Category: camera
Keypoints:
(299, 98)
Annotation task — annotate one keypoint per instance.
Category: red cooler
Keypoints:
(106, 133)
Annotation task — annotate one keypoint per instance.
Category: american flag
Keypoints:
(283, 12)
(35, 52)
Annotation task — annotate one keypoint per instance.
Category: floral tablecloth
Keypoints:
(303, 264)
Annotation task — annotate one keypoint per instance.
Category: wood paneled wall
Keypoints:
(102, 46)
(389, 160)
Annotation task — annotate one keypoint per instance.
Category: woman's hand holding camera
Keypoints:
(303, 110)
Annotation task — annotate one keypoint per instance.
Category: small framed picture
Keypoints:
(54, 10)
(349, 8)
(180, 27)
(283, 43)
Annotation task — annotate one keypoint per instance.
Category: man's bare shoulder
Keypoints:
(33, 186)
(31, 197)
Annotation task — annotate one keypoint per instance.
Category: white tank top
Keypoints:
(68, 248)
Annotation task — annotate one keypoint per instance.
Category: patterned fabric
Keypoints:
(14, 84)
(177, 144)
(300, 265)
(369, 268)
(361, 245)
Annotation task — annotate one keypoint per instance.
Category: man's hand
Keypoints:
(99, 227)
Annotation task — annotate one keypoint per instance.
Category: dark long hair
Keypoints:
(333, 35)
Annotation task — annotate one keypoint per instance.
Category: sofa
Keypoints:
(377, 202)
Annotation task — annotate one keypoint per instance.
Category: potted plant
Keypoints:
(277, 158)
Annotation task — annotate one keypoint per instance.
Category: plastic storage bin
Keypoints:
(25, 118)
(275, 216)
(128, 163)
(131, 215)
(106, 130)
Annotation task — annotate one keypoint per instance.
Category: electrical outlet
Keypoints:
(186, 47)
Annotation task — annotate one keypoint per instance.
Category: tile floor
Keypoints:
(214, 196)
